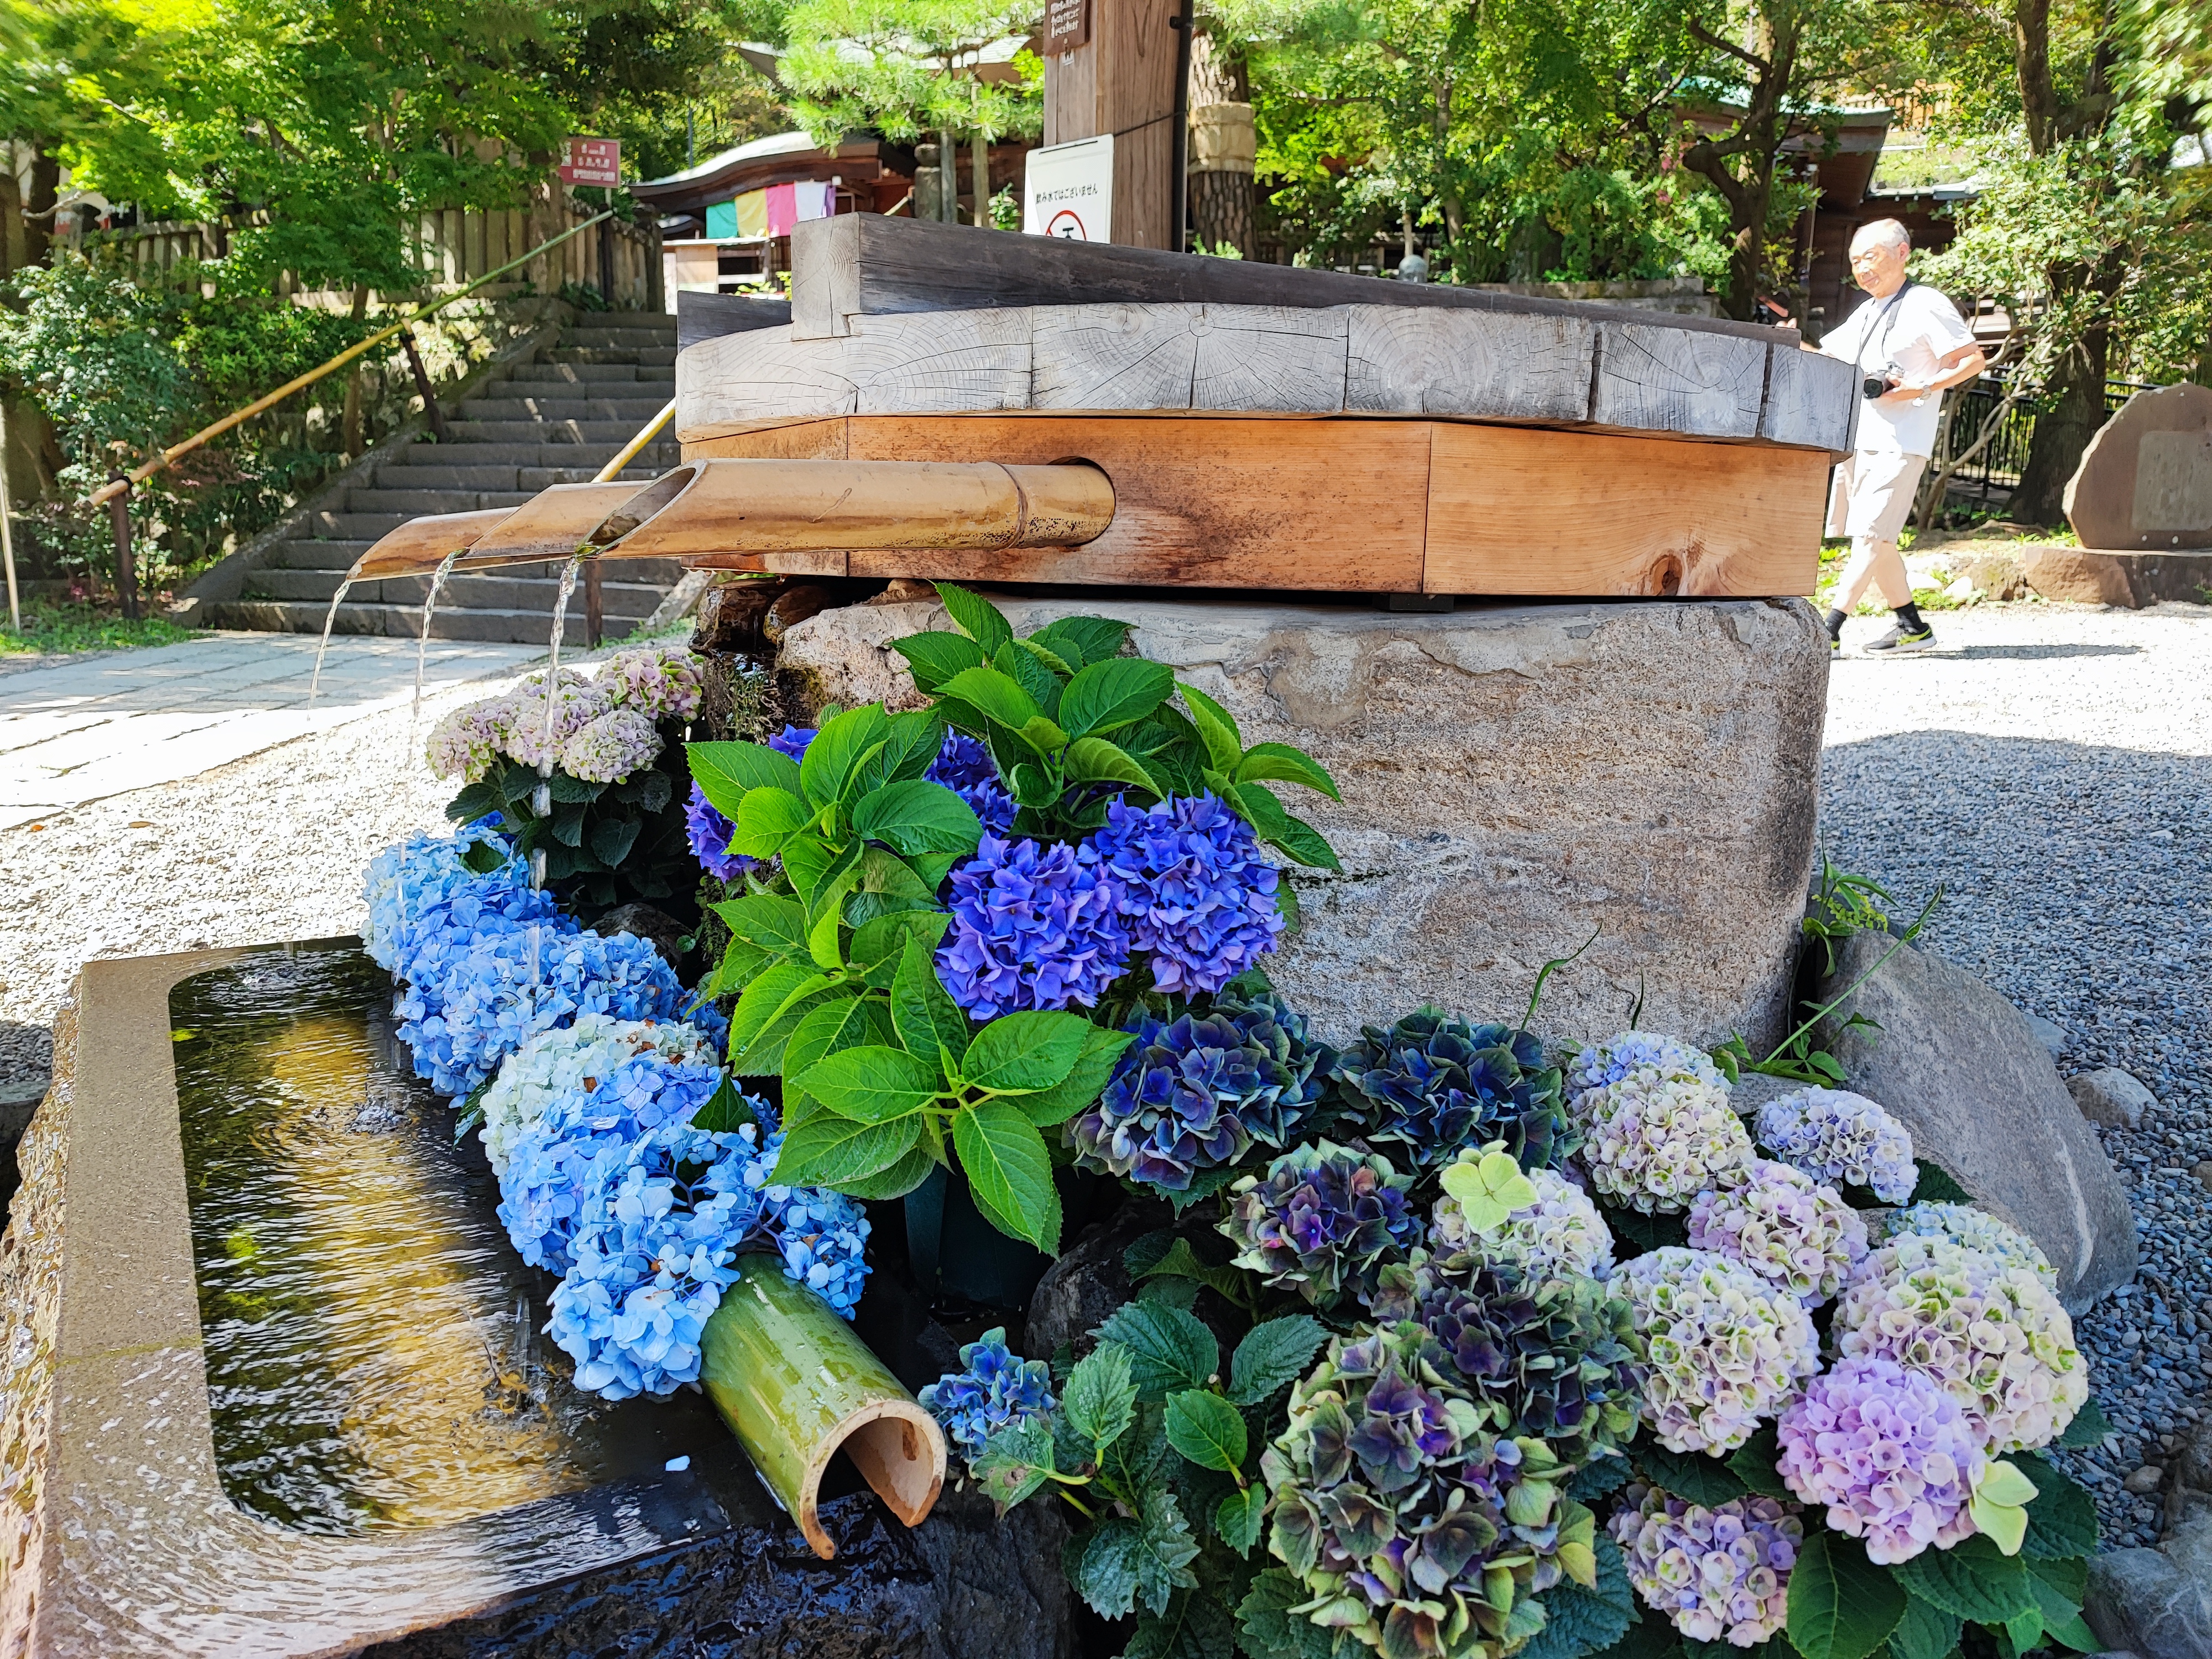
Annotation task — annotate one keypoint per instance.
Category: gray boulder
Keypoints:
(1515, 778)
(2156, 1603)
(1088, 1282)
(1962, 1069)
(2110, 1096)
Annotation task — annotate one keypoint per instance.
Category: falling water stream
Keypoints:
(329, 620)
(430, 610)
(541, 800)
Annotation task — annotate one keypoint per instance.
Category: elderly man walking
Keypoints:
(1910, 344)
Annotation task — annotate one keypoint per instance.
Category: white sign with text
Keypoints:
(1068, 190)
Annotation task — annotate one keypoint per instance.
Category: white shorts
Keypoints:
(1872, 496)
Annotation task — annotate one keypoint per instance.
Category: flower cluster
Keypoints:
(1841, 1138)
(1719, 1573)
(1196, 1093)
(603, 729)
(1033, 926)
(610, 748)
(1654, 1138)
(1992, 1333)
(1323, 1221)
(660, 682)
(425, 901)
(1195, 889)
(1785, 1227)
(1434, 1082)
(993, 1389)
(1606, 1063)
(792, 741)
(1978, 1230)
(1409, 1524)
(709, 833)
(964, 766)
(635, 1068)
(1561, 1234)
(1561, 1358)
(822, 1236)
(1890, 1453)
(1726, 1349)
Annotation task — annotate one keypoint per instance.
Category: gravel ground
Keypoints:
(2051, 769)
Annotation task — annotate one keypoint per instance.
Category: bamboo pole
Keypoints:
(796, 1386)
(613, 469)
(115, 486)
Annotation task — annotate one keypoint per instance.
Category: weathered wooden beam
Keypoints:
(871, 265)
(701, 316)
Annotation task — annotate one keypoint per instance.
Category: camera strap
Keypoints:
(1886, 322)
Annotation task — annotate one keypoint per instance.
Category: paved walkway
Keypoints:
(99, 725)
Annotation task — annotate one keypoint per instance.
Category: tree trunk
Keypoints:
(948, 176)
(350, 432)
(980, 172)
(45, 191)
(1221, 211)
(11, 223)
(1749, 250)
(2072, 413)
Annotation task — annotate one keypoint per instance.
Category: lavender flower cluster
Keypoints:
(1720, 1573)
(993, 1389)
(1727, 1349)
(603, 729)
(1841, 1138)
(1561, 1235)
(1889, 1451)
(1785, 1227)
(1659, 1130)
(1978, 1230)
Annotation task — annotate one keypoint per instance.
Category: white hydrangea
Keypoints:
(1654, 1138)
(1726, 1348)
(555, 1063)
(1608, 1062)
(1785, 1227)
(1560, 1235)
(1841, 1138)
(1978, 1230)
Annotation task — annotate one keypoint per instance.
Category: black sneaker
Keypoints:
(1901, 638)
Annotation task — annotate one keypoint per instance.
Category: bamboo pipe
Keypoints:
(708, 507)
(796, 1386)
(422, 544)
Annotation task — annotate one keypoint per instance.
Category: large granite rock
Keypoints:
(1963, 1070)
(2156, 1603)
(1515, 778)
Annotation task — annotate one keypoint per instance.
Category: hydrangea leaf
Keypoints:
(2060, 1604)
(1104, 1573)
(1702, 1480)
(1099, 1400)
(910, 744)
(1045, 654)
(975, 616)
(1239, 1518)
(769, 921)
(1105, 696)
(1194, 1626)
(1924, 1631)
(1181, 1261)
(1841, 1604)
(1935, 1186)
(883, 938)
(1283, 763)
(1203, 1185)
(1166, 1550)
(1598, 1478)
(740, 965)
(1754, 1464)
(1275, 826)
(1092, 1067)
(1169, 1348)
(1584, 1619)
(1207, 1429)
(2062, 1521)
(727, 772)
(1170, 1292)
(917, 816)
(894, 1180)
(840, 746)
(1999, 1505)
(2089, 1428)
(1024, 1052)
(1489, 1190)
(1268, 1626)
(1016, 1461)
(1000, 700)
(1093, 760)
(934, 658)
(778, 989)
(1216, 729)
(810, 861)
(1008, 1169)
(1028, 670)
(725, 1111)
(1972, 1579)
(821, 1149)
(872, 1083)
(1081, 641)
(922, 1012)
(1273, 1355)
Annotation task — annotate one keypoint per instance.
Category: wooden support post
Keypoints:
(595, 607)
(127, 565)
(430, 410)
(607, 262)
(1123, 80)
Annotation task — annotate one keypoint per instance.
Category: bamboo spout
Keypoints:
(710, 507)
(418, 546)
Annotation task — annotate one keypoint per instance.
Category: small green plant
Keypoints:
(58, 629)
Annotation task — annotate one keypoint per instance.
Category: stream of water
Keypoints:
(330, 618)
(430, 610)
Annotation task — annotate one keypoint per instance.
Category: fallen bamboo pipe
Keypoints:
(724, 507)
(796, 1386)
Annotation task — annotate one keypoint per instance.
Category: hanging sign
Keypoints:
(1067, 25)
(1067, 191)
(592, 162)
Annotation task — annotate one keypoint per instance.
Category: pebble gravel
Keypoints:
(2050, 767)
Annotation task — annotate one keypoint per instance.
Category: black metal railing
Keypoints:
(1997, 467)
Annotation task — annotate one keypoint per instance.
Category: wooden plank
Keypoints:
(1270, 359)
(900, 265)
(1113, 356)
(1810, 399)
(1403, 361)
(1526, 511)
(710, 316)
(951, 362)
(1656, 377)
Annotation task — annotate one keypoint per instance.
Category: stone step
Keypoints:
(336, 556)
(610, 367)
(611, 435)
(404, 622)
(488, 591)
(637, 383)
(414, 503)
(616, 411)
(659, 455)
(528, 479)
(655, 356)
(342, 525)
(629, 324)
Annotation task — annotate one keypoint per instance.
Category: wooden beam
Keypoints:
(869, 265)
(701, 316)
(1122, 80)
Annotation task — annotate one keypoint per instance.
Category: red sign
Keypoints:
(1066, 25)
(592, 162)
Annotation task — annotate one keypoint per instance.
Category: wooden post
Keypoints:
(127, 565)
(607, 263)
(430, 410)
(1123, 80)
(7, 535)
(595, 607)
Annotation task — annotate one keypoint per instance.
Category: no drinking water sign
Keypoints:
(1067, 191)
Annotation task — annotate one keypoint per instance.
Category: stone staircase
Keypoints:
(556, 419)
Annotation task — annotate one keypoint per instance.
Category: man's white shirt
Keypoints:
(1911, 329)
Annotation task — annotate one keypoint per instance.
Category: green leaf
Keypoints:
(1165, 1550)
(1194, 1626)
(911, 744)
(2062, 1522)
(1273, 1355)
(1108, 695)
(975, 616)
(1026, 1052)
(821, 1149)
(1169, 1348)
(1224, 746)
(874, 1083)
(727, 772)
(1268, 1627)
(769, 921)
(1841, 1604)
(725, 1112)
(897, 1180)
(2060, 1588)
(923, 1014)
(1008, 1168)
(1016, 1461)
(777, 990)
(810, 861)
(1754, 1460)
(883, 938)
(1099, 1400)
(917, 816)
(766, 820)
(1182, 1262)
(1060, 666)
(1238, 1519)
(1280, 762)
(1999, 1504)
(999, 699)
(935, 658)
(1084, 1082)
(575, 790)
(1582, 1620)
(1026, 670)
(1934, 1185)
(1079, 641)
(1925, 1631)
(1093, 760)
(1105, 1569)
(1044, 735)
(1207, 1429)
(838, 749)
(1703, 1480)
(2089, 1428)
(740, 964)
(1971, 1579)
(1278, 828)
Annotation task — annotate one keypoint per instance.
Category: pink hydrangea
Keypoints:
(1721, 1572)
(1891, 1454)
(1785, 1227)
(466, 742)
(661, 682)
(577, 703)
(611, 747)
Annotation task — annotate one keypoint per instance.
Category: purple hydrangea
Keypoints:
(1324, 1221)
(709, 833)
(1785, 1227)
(964, 766)
(1889, 1451)
(1033, 926)
(611, 747)
(1199, 894)
(792, 741)
(1718, 1572)
(997, 1389)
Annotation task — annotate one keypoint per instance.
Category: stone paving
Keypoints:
(91, 727)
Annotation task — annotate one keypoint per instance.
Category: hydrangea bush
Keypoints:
(1434, 1082)
(1718, 1574)
(1785, 1227)
(609, 1064)
(1654, 1138)
(994, 1387)
(1841, 1138)
(1889, 1452)
(1561, 1234)
(1323, 1221)
(1978, 1230)
(1193, 887)
(1727, 1350)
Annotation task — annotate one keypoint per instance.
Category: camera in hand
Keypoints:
(1874, 385)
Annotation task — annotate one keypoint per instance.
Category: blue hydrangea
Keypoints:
(964, 766)
(995, 1389)
(1605, 1064)
(709, 833)
(822, 1236)
(792, 741)
(1033, 926)
(497, 989)
(1197, 894)
(421, 896)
